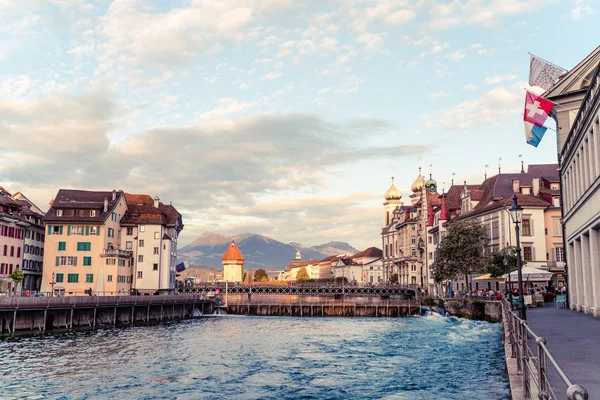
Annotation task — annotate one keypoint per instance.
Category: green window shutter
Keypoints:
(74, 261)
(60, 230)
(97, 231)
(49, 229)
(60, 278)
(78, 246)
(89, 246)
(57, 260)
(69, 230)
(87, 231)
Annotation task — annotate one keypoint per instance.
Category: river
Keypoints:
(232, 357)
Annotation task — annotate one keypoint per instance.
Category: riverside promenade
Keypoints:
(574, 340)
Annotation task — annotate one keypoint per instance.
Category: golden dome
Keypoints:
(393, 193)
(418, 184)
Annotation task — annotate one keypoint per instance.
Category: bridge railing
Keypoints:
(322, 301)
(91, 301)
(532, 363)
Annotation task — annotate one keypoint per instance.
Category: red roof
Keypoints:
(370, 252)
(233, 253)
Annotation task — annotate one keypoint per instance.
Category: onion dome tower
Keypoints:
(393, 198)
(233, 264)
(431, 185)
(418, 184)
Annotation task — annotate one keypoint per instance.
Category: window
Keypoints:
(560, 254)
(140, 258)
(113, 216)
(12, 251)
(526, 227)
(554, 186)
(556, 227)
(121, 262)
(430, 255)
(55, 230)
(92, 213)
(75, 230)
(84, 246)
(109, 278)
(94, 230)
(556, 201)
(413, 241)
(413, 252)
(156, 250)
(72, 261)
(139, 274)
(128, 279)
(129, 231)
(527, 253)
(89, 278)
(141, 244)
(110, 261)
(87, 261)
(111, 232)
(73, 278)
(59, 213)
(495, 230)
(142, 228)
(128, 245)
(413, 227)
(60, 278)
(155, 267)
(5, 249)
(156, 235)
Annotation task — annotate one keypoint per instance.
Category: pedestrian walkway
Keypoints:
(574, 341)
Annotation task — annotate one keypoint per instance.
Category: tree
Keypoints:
(302, 275)
(461, 252)
(260, 275)
(17, 276)
(394, 278)
(497, 268)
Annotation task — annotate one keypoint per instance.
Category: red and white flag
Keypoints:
(537, 109)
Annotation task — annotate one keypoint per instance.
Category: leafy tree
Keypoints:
(461, 252)
(496, 266)
(260, 275)
(394, 278)
(302, 275)
(17, 276)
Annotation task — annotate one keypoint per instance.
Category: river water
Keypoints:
(235, 357)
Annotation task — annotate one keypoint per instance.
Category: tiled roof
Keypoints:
(453, 201)
(233, 253)
(141, 199)
(347, 261)
(68, 199)
(370, 252)
(524, 200)
(141, 211)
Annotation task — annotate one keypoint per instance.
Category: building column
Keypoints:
(587, 278)
(573, 272)
(580, 275)
(594, 241)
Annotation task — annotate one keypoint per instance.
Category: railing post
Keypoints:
(518, 342)
(542, 384)
(525, 361)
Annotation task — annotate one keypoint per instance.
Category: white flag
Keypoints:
(542, 73)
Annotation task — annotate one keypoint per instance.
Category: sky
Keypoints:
(280, 117)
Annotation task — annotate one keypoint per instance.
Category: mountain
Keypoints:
(259, 251)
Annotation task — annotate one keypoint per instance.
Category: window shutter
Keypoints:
(74, 261)
(87, 231)
(69, 230)
(57, 261)
(49, 229)
(97, 231)
(60, 230)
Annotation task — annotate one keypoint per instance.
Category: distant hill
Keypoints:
(259, 251)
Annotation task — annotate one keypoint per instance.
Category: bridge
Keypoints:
(302, 289)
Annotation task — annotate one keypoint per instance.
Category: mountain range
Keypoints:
(259, 251)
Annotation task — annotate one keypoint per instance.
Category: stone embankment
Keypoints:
(475, 309)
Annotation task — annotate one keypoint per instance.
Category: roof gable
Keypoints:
(578, 78)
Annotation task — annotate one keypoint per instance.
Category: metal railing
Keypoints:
(116, 253)
(532, 364)
(94, 301)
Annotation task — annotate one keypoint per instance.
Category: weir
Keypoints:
(47, 313)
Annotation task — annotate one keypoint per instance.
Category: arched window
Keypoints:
(18, 252)
(10, 269)
(12, 251)
(26, 249)
(5, 250)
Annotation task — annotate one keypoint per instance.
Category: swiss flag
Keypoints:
(537, 109)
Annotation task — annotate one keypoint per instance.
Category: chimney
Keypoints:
(114, 197)
(105, 204)
(516, 186)
(535, 186)
(156, 200)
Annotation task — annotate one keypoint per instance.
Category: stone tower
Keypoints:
(233, 264)
(393, 198)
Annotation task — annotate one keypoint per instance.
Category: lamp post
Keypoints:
(52, 283)
(507, 264)
(516, 214)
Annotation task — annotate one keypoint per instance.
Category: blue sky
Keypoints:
(283, 117)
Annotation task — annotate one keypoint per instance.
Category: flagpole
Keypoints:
(558, 66)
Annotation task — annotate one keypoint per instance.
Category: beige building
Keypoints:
(233, 264)
(578, 144)
(83, 244)
(12, 234)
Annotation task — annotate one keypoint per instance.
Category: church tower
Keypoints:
(233, 264)
(393, 198)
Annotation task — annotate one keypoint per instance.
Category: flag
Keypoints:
(542, 73)
(534, 133)
(537, 109)
(181, 266)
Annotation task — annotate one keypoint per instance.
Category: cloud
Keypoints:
(457, 56)
(495, 79)
(272, 76)
(580, 10)
(437, 95)
(470, 87)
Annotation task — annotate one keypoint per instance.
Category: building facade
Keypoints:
(233, 264)
(12, 234)
(578, 145)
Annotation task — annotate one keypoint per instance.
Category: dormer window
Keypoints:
(525, 190)
(92, 213)
(59, 213)
(554, 186)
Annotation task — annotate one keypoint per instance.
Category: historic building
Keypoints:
(233, 264)
(578, 142)
(150, 232)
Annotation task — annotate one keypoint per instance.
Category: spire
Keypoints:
(499, 168)
(233, 253)
(522, 169)
(393, 193)
(443, 213)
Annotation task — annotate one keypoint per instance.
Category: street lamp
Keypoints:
(52, 283)
(507, 264)
(516, 214)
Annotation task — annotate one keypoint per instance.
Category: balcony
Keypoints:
(117, 253)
